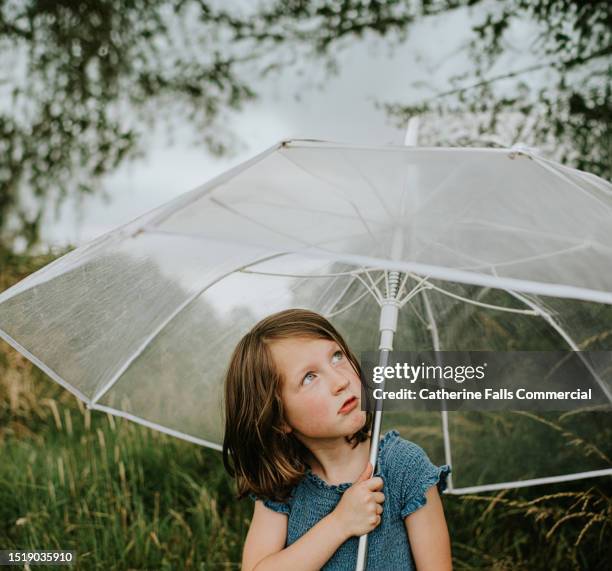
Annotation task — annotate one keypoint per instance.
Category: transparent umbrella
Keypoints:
(457, 248)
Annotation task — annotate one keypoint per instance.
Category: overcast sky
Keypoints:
(288, 107)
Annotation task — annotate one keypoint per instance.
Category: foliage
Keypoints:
(84, 84)
(559, 101)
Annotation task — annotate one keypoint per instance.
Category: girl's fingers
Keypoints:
(375, 483)
(379, 509)
(365, 475)
(379, 497)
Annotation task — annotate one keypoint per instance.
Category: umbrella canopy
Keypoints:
(496, 249)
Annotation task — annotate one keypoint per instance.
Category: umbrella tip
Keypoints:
(292, 142)
(521, 149)
(412, 132)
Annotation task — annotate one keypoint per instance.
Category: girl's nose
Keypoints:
(340, 382)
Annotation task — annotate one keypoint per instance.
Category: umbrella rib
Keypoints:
(409, 302)
(303, 208)
(565, 336)
(480, 303)
(336, 274)
(484, 264)
(572, 183)
(256, 222)
(527, 258)
(338, 192)
(498, 226)
(403, 284)
(530, 231)
(456, 252)
(315, 250)
(430, 195)
(334, 313)
(192, 196)
(367, 227)
(55, 376)
(375, 292)
(369, 183)
(416, 289)
(320, 144)
(532, 482)
(542, 256)
(328, 289)
(343, 309)
(109, 384)
(435, 338)
(592, 179)
(374, 284)
(291, 237)
(155, 426)
(386, 274)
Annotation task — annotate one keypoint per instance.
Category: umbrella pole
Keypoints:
(388, 326)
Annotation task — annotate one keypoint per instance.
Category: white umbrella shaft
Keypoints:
(388, 326)
(362, 549)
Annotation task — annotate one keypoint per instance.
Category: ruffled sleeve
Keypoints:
(280, 507)
(415, 473)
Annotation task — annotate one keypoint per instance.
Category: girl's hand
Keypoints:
(358, 512)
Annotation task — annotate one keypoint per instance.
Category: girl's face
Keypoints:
(317, 380)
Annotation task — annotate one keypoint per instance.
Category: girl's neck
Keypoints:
(340, 463)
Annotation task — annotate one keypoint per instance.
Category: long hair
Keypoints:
(265, 460)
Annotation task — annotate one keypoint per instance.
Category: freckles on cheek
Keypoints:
(314, 413)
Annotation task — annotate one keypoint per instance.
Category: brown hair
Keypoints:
(266, 461)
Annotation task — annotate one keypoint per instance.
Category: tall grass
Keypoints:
(126, 497)
(120, 495)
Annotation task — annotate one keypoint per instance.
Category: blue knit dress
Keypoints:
(407, 474)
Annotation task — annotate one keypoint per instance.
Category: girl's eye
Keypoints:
(337, 356)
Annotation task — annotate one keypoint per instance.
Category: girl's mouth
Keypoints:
(349, 405)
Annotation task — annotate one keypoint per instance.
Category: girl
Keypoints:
(299, 444)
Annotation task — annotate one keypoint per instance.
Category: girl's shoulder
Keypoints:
(277, 506)
(398, 452)
(409, 472)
